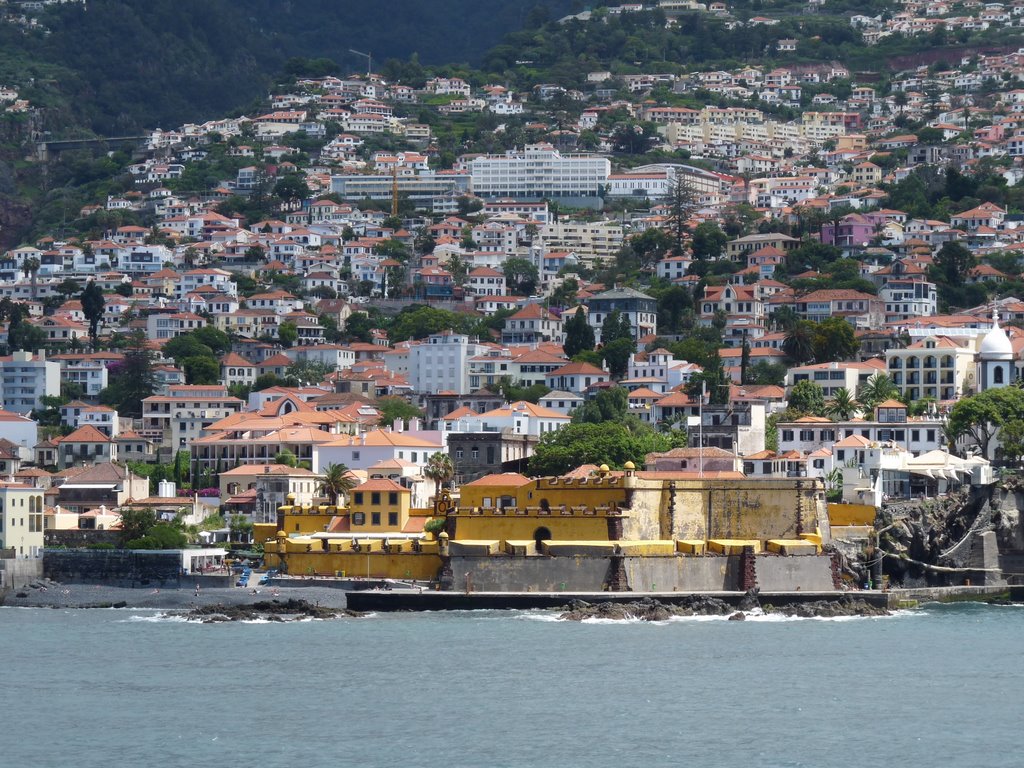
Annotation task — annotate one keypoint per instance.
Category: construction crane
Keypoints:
(367, 56)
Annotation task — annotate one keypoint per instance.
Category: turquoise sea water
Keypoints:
(937, 687)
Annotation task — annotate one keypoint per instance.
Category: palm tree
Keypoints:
(31, 269)
(337, 482)
(439, 469)
(877, 389)
(842, 406)
(799, 344)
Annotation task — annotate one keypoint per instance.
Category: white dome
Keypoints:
(996, 344)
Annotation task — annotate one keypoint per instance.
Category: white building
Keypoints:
(539, 171)
(438, 363)
(369, 448)
(521, 418)
(25, 378)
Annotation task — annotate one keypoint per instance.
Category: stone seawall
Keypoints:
(638, 573)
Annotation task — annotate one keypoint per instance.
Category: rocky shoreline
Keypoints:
(50, 594)
(268, 610)
(650, 609)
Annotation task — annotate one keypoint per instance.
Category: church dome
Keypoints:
(996, 344)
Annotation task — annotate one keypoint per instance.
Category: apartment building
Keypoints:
(539, 171)
(25, 378)
(179, 417)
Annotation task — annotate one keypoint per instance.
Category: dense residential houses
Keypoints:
(795, 171)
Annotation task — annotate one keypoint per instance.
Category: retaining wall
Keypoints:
(118, 567)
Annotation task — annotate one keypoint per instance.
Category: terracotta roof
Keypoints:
(504, 480)
(381, 484)
(85, 434)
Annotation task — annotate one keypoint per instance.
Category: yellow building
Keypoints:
(585, 518)
(379, 505)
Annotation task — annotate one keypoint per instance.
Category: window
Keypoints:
(358, 518)
(375, 518)
(375, 498)
(392, 518)
(355, 455)
(393, 498)
(357, 498)
(458, 453)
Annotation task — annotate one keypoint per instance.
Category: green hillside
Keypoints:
(116, 66)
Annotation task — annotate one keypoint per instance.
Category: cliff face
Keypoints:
(939, 541)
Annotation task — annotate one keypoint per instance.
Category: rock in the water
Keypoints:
(274, 610)
(844, 605)
(646, 609)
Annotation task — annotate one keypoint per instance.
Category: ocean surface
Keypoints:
(940, 686)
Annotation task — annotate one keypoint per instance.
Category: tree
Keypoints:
(440, 469)
(31, 267)
(292, 189)
(807, 398)
(673, 303)
(610, 443)
(135, 523)
(579, 335)
(981, 417)
(768, 373)
(308, 371)
(521, 276)
(68, 288)
(708, 241)
(609, 405)
(287, 333)
(240, 529)
(616, 326)
(185, 346)
(712, 382)
(358, 327)
(681, 202)
(337, 482)
(92, 307)
(394, 409)
(1011, 441)
(799, 342)
(952, 263)
(201, 370)
(132, 380)
(834, 339)
(287, 458)
(877, 389)
(842, 406)
(218, 341)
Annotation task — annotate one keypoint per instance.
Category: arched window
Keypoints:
(997, 376)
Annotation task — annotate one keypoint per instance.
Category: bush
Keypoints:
(434, 525)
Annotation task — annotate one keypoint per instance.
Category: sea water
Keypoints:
(939, 686)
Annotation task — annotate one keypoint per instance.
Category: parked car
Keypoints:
(243, 580)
